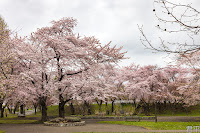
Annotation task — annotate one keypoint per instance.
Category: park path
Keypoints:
(91, 127)
(40, 128)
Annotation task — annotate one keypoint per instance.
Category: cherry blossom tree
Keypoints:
(6, 66)
(53, 56)
(35, 79)
(97, 85)
(72, 54)
(184, 85)
(146, 85)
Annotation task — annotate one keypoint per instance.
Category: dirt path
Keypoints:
(39, 128)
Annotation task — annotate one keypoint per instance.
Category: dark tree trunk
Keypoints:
(35, 107)
(72, 109)
(186, 110)
(99, 104)
(16, 106)
(40, 108)
(160, 107)
(84, 106)
(112, 109)
(165, 105)
(44, 113)
(44, 108)
(88, 108)
(155, 111)
(137, 108)
(61, 106)
(107, 110)
(146, 109)
(22, 109)
(62, 109)
(2, 110)
(10, 110)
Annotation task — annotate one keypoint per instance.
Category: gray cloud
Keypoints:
(108, 20)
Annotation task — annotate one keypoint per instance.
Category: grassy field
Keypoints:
(156, 126)
(10, 121)
(2, 131)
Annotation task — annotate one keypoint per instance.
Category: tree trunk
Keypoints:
(44, 108)
(35, 107)
(44, 113)
(10, 110)
(159, 106)
(112, 109)
(16, 106)
(88, 108)
(99, 104)
(61, 106)
(107, 110)
(62, 103)
(22, 109)
(2, 110)
(146, 109)
(72, 109)
(62, 109)
(83, 107)
(165, 105)
(156, 112)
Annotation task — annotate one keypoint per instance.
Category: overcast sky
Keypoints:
(108, 20)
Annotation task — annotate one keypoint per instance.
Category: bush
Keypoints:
(65, 120)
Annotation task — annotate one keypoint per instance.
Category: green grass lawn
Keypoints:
(2, 131)
(9, 116)
(10, 121)
(123, 132)
(156, 126)
(13, 119)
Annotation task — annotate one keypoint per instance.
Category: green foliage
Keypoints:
(156, 126)
(2, 131)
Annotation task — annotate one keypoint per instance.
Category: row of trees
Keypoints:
(55, 66)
